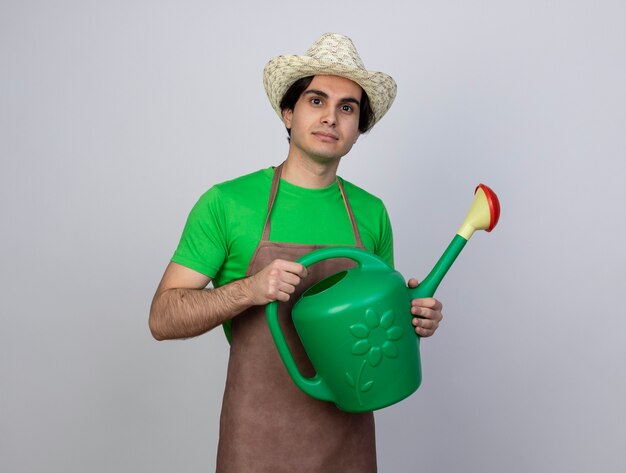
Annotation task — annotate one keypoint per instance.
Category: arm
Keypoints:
(182, 307)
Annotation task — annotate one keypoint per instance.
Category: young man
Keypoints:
(326, 99)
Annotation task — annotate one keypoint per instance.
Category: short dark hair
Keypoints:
(288, 102)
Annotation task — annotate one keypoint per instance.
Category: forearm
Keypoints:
(184, 313)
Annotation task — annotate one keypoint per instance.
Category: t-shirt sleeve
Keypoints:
(384, 248)
(203, 244)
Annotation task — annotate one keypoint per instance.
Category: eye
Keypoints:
(316, 101)
(347, 108)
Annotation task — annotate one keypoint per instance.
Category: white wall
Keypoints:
(115, 116)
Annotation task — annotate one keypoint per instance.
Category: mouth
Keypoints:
(326, 136)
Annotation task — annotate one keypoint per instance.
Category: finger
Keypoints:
(292, 267)
(426, 324)
(286, 288)
(425, 328)
(280, 272)
(428, 302)
(282, 297)
(424, 333)
(413, 282)
(288, 278)
(281, 292)
(428, 314)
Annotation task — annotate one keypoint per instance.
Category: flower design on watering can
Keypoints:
(376, 345)
(376, 339)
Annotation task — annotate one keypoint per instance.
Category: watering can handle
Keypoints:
(363, 258)
(315, 386)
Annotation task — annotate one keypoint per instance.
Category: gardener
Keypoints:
(326, 99)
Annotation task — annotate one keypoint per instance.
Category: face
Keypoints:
(325, 120)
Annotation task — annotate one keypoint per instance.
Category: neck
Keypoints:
(308, 173)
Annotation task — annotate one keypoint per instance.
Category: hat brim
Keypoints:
(281, 72)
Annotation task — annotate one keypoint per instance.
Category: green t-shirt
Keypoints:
(226, 224)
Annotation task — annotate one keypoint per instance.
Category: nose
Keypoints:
(329, 116)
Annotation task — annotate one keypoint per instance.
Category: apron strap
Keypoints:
(274, 191)
(355, 228)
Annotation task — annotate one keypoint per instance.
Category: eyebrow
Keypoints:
(325, 95)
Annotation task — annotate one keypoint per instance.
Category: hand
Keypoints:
(427, 313)
(276, 282)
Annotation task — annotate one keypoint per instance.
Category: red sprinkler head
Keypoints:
(494, 205)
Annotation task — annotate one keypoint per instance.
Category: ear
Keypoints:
(287, 115)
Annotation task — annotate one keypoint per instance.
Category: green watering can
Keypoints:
(356, 325)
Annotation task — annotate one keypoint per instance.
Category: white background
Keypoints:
(116, 116)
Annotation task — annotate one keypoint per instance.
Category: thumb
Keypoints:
(413, 282)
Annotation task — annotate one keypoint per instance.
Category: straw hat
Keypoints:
(332, 54)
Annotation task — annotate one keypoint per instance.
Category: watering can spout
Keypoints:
(483, 214)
